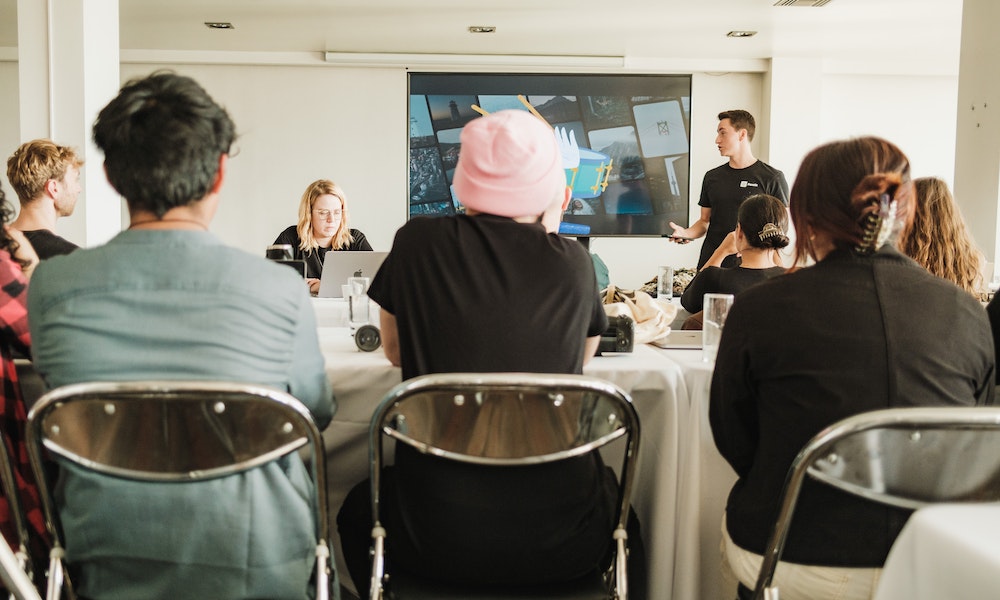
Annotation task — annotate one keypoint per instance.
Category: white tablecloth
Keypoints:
(705, 481)
(947, 551)
(682, 481)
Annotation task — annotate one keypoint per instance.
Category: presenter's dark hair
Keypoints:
(162, 137)
(740, 119)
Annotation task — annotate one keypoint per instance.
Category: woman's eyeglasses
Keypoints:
(325, 214)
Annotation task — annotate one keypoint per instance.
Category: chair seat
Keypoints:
(405, 586)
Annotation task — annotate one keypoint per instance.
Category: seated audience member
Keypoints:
(760, 230)
(938, 239)
(46, 178)
(17, 261)
(324, 225)
(167, 300)
(515, 297)
(864, 328)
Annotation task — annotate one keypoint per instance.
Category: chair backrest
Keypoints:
(172, 431)
(903, 457)
(506, 419)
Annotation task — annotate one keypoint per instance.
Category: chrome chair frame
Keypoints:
(18, 582)
(8, 482)
(15, 566)
(220, 409)
(871, 454)
(389, 420)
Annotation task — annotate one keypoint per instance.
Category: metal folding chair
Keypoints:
(15, 566)
(546, 418)
(902, 457)
(203, 430)
(8, 482)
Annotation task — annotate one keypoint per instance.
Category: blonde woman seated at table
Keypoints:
(863, 328)
(323, 225)
(761, 227)
(938, 239)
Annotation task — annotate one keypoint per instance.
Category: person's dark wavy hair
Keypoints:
(162, 137)
(840, 184)
(6, 242)
(758, 211)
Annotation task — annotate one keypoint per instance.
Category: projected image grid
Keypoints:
(632, 178)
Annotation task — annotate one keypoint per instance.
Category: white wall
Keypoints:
(917, 113)
(9, 123)
(301, 123)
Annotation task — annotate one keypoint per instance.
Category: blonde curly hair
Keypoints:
(938, 239)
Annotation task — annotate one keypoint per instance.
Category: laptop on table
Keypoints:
(339, 265)
(680, 339)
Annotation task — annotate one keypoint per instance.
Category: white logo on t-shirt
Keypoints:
(746, 183)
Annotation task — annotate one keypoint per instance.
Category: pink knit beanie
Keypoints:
(509, 165)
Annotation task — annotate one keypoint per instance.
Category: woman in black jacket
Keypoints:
(863, 328)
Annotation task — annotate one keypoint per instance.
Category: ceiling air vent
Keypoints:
(802, 2)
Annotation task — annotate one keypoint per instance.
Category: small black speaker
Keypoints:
(368, 338)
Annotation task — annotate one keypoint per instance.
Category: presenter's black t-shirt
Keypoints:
(725, 188)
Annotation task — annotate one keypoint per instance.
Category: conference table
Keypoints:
(945, 551)
(682, 482)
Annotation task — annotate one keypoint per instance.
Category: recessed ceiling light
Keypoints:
(219, 25)
(482, 29)
(741, 34)
(802, 2)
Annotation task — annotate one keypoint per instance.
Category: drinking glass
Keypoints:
(359, 284)
(665, 283)
(357, 306)
(716, 307)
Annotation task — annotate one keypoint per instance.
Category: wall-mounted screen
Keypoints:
(632, 132)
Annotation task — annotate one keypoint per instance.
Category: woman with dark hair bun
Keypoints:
(761, 228)
(861, 328)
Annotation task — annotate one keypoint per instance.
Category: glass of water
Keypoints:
(716, 308)
(664, 283)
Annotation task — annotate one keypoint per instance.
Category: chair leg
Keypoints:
(621, 564)
(322, 571)
(378, 563)
(56, 575)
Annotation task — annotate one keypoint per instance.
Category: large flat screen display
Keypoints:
(632, 132)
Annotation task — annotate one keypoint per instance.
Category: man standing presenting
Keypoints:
(726, 186)
(168, 300)
(46, 178)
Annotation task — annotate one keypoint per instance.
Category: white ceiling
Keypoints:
(914, 34)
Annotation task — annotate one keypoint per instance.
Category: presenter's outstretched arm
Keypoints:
(695, 231)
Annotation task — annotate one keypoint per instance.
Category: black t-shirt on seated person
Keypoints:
(487, 293)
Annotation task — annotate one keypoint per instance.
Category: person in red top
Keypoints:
(17, 260)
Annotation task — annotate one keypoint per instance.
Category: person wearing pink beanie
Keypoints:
(510, 166)
(493, 290)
